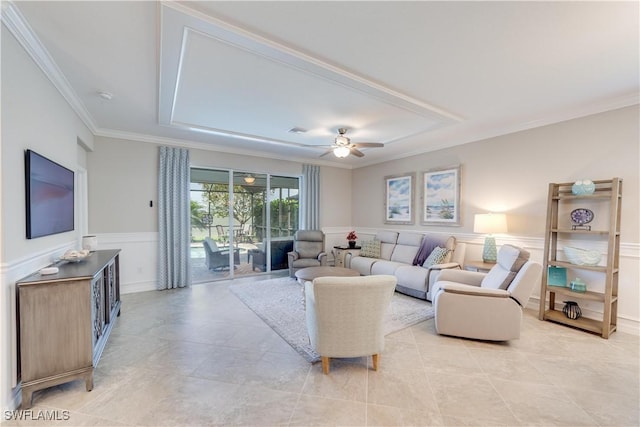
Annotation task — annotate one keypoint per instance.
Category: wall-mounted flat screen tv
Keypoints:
(49, 196)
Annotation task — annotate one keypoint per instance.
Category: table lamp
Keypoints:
(490, 224)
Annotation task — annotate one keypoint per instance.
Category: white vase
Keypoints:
(90, 243)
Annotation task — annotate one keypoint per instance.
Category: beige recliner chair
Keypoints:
(486, 306)
(345, 316)
(308, 251)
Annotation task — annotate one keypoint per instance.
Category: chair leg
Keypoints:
(376, 360)
(325, 365)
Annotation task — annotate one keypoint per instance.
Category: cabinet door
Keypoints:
(54, 338)
(97, 308)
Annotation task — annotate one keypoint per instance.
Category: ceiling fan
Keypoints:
(342, 146)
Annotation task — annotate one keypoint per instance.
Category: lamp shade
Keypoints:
(490, 223)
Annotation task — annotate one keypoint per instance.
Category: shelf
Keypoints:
(606, 192)
(596, 195)
(568, 230)
(565, 264)
(584, 323)
(589, 295)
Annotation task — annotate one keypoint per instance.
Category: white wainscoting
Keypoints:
(138, 259)
(628, 289)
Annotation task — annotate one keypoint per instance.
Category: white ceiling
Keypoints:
(418, 76)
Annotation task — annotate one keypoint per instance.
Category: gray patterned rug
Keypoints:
(279, 303)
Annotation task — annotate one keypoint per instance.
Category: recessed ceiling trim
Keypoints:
(231, 134)
(175, 14)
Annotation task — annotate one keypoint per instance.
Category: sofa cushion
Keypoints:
(386, 267)
(362, 264)
(388, 241)
(370, 249)
(437, 256)
(413, 277)
(510, 261)
(404, 253)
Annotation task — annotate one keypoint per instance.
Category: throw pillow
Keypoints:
(370, 249)
(437, 256)
(510, 261)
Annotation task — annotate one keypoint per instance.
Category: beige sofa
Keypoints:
(397, 253)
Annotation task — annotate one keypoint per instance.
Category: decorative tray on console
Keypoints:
(75, 256)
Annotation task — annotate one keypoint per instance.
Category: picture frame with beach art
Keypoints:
(441, 196)
(398, 198)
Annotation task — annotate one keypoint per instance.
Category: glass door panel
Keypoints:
(211, 234)
(284, 218)
(249, 193)
(239, 221)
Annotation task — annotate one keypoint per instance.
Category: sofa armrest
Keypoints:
(321, 256)
(465, 277)
(293, 255)
(445, 266)
(458, 288)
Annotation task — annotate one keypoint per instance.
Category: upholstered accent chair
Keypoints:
(345, 316)
(216, 258)
(486, 306)
(308, 251)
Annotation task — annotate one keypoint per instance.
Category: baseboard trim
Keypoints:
(132, 288)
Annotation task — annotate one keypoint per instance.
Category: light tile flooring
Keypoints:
(199, 356)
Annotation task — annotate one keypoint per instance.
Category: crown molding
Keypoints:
(22, 31)
(176, 142)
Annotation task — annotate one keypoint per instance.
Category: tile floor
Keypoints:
(199, 356)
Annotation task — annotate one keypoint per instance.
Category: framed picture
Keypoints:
(441, 196)
(398, 197)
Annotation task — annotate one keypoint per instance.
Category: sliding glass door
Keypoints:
(242, 223)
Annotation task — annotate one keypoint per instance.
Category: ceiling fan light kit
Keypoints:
(341, 152)
(342, 146)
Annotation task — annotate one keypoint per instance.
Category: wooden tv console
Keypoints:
(64, 321)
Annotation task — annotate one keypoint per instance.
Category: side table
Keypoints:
(339, 253)
(479, 266)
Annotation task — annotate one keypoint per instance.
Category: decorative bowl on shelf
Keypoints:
(580, 256)
(581, 188)
(75, 256)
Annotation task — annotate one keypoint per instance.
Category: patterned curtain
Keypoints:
(310, 197)
(174, 217)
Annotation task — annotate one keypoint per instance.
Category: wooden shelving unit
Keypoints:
(607, 191)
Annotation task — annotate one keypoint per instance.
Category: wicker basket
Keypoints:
(579, 256)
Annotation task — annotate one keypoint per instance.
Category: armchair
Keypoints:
(308, 251)
(345, 316)
(216, 258)
(486, 306)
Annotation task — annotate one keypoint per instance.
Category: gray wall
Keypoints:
(124, 173)
(511, 173)
(34, 116)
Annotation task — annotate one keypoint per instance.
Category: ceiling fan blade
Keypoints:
(369, 144)
(356, 152)
(326, 152)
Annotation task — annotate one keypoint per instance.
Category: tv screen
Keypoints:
(49, 196)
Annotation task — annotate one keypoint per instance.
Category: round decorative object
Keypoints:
(580, 256)
(578, 285)
(581, 216)
(581, 188)
(571, 310)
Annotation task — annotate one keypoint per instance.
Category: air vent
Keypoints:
(297, 130)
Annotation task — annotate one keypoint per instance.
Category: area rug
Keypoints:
(279, 303)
